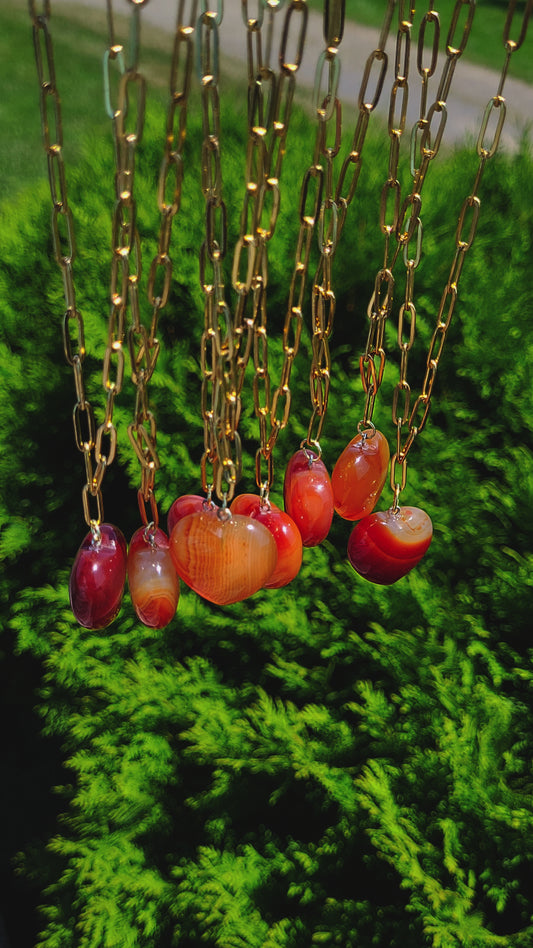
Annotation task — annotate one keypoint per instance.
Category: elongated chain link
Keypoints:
(412, 246)
(221, 460)
(372, 361)
(143, 343)
(407, 227)
(126, 261)
(328, 110)
(270, 99)
(414, 419)
(427, 137)
(64, 253)
(319, 203)
(335, 200)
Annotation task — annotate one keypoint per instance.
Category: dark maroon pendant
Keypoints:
(98, 576)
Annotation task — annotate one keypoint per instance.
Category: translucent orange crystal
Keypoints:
(154, 585)
(359, 475)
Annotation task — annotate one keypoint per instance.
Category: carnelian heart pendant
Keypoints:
(223, 560)
(385, 546)
(154, 586)
(96, 584)
(359, 475)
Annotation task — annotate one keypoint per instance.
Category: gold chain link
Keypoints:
(328, 110)
(270, 100)
(126, 260)
(142, 342)
(228, 343)
(335, 200)
(404, 224)
(402, 221)
(414, 418)
(86, 436)
(221, 460)
(372, 361)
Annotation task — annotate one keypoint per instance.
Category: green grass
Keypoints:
(485, 46)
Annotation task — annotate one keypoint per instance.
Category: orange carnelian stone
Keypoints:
(184, 505)
(386, 545)
(308, 496)
(154, 585)
(288, 541)
(359, 475)
(96, 584)
(223, 560)
(246, 503)
(284, 531)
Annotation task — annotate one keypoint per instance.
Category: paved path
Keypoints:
(472, 88)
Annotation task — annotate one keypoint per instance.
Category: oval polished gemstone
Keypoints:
(246, 503)
(97, 579)
(283, 529)
(386, 545)
(289, 544)
(308, 496)
(359, 475)
(154, 585)
(185, 505)
(223, 560)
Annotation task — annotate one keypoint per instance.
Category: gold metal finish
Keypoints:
(408, 419)
(270, 99)
(221, 461)
(64, 253)
(231, 339)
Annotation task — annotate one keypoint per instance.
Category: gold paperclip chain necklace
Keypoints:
(221, 460)
(227, 343)
(88, 441)
(143, 344)
(331, 203)
(270, 101)
(414, 419)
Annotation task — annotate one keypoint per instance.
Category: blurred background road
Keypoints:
(472, 86)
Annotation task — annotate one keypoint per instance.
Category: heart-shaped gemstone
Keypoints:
(386, 545)
(223, 560)
(359, 475)
(154, 585)
(96, 584)
(308, 496)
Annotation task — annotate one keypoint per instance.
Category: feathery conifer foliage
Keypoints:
(328, 764)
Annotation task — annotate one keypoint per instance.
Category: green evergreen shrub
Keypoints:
(332, 763)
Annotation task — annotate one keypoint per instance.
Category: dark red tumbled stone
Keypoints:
(98, 576)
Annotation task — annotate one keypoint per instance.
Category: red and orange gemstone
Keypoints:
(247, 504)
(154, 585)
(285, 533)
(185, 505)
(386, 545)
(308, 496)
(224, 559)
(96, 584)
(359, 475)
